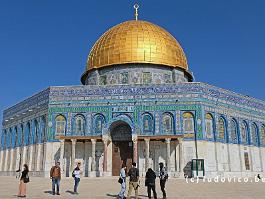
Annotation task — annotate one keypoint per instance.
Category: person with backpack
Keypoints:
(122, 181)
(76, 175)
(55, 175)
(134, 180)
(150, 182)
(163, 176)
(23, 180)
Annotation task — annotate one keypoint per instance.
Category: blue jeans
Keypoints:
(55, 181)
(77, 180)
(123, 189)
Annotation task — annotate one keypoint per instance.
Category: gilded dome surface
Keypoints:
(136, 41)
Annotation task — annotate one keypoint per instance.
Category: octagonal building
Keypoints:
(137, 102)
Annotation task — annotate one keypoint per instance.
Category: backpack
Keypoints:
(134, 174)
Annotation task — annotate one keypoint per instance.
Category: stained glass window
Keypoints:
(29, 133)
(98, 123)
(209, 125)
(233, 133)
(79, 124)
(147, 123)
(262, 134)
(188, 122)
(254, 132)
(243, 131)
(36, 132)
(16, 137)
(167, 123)
(221, 128)
(22, 134)
(60, 125)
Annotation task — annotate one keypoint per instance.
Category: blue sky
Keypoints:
(46, 43)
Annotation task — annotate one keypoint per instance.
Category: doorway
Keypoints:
(122, 147)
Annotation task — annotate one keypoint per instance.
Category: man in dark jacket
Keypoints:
(150, 180)
(134, 178)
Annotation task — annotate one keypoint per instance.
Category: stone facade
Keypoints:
(171, 123)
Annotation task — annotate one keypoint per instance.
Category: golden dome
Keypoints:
(136, 41)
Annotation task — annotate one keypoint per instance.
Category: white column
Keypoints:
(147, 152)
(168, 154)
(94, 141)
(30, 162)
(1, 160)
(24, 160)
(62, 155)
(181, 157)
(73, 153)
(39, 158)
(6, 160)
(105, 161)
(11, 160)
(86, 165)
(17, 158)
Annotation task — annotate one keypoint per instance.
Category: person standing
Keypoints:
(55, 175)
(134, 178)
(76, 174)
(123, 184)
(23, 180)
(150, 180)
(163, 178)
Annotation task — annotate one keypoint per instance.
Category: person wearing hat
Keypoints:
(76, 175)
(163, 176)
(55, 175)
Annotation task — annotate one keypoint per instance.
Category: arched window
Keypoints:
(234, 131)
(79, 124)
(148, 123)
(254, 134)
(16, 137)
(3, 140)
(188, 122)
(167, 123)
(60, 125)
(99, 121)
(262, 134)
(10, 138)
(243, 132)
(28, 134)
(36, 131)
(209, 125)
(22, 135)
(221, 128)
(43, 129)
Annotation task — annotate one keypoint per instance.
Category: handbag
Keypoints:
(26, 179)
(73, 174)
(120, 180)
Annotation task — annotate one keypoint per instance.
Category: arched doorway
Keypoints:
(122, 151)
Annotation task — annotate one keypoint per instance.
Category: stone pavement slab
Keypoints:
(107, 188)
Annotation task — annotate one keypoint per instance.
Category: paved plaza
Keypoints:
(95, 188)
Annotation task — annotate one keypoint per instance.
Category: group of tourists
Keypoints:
(55, 175)
(134, 183)
(133, 174)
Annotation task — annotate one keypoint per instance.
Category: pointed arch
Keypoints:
(60, 125)
(167, 123)
(147, 123)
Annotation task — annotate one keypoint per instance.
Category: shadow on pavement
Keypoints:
(112, 195)
(49, 192)
(71, 192)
